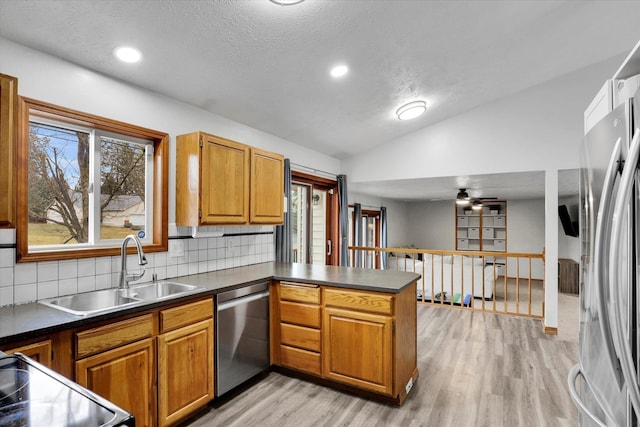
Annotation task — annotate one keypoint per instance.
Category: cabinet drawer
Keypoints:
(302, 360)
(300, 292)
(300, 314)
(299, 336)
(359, 300)
(187, 314)
(114, 335)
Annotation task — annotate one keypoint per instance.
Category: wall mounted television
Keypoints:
(570, 227)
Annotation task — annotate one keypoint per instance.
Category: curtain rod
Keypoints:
(314, 170)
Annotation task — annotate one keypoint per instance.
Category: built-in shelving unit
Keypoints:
(483, 229)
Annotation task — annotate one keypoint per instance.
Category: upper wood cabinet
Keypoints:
(267, 187)
(223, 182)
(8, 121)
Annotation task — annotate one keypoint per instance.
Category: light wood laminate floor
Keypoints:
(476, 369)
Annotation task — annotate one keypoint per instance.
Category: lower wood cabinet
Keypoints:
(362, 339)
(157, 366)
(125, 376)
(39, 351)
(358, 349)
(185, 371)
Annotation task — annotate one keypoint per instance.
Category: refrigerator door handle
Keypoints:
(623, 348)
(573, 374)
(602, 237)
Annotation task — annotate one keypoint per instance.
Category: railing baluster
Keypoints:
(372, 258)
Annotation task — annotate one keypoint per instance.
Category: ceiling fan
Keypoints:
(463, 199)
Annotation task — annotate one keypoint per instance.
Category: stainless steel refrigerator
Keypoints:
(604, 384)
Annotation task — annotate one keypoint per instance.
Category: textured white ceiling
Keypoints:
(267, 66)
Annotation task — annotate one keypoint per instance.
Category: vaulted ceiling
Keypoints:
(267, 65)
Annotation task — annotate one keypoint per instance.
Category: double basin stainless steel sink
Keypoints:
(107, 300)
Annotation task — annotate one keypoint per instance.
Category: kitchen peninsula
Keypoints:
(345, 327)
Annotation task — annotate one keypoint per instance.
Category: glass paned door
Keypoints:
(300, 222)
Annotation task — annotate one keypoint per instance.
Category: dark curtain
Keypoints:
(344, 219)
(357, 233)
(283, 232)
(383, 236)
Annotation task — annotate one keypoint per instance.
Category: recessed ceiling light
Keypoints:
(411, 110)
(339, 70)
(286, 2)
(127, 54)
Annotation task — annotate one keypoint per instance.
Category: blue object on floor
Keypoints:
(467, 299)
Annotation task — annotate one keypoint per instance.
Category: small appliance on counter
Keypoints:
(33, 395)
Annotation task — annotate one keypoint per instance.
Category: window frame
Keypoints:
(30, 107)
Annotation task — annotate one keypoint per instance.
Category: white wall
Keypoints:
(431, 225)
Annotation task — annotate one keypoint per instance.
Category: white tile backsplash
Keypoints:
(25, 293)
(47, 289)
(27, 282)
(7, 257)
(25, 273)
(86, 267)
(6, 277)
(68, 269)
(48, 271)
(68, 286)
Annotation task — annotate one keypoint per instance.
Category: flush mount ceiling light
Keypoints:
(286, 2)
(411, 110)
(339, 71)
(463, 197)
(128, 54)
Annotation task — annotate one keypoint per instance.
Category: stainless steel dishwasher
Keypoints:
(242, 335)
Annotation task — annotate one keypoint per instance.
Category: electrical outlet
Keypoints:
(230, 245)
(409, 385)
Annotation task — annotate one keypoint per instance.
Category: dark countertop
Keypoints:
(31, 320)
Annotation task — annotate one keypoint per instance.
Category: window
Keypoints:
(85, 183)
(369, 229)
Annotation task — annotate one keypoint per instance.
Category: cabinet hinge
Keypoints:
(200, 213)
(201, 143)
(393, 327)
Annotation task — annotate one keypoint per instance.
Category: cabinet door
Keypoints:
(185, 371)
(125, 376)
(357, 349)
(267, 187)
(225, 181)
(8, 129)
(40, 352)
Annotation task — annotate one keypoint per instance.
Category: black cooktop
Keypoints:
(33, 395)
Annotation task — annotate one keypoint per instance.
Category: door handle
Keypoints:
(617, 276)
(600, 277)
(573, 374)
(328, 247)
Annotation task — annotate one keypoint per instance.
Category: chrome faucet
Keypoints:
(142, 260)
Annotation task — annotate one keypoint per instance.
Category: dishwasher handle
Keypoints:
(243, 300)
